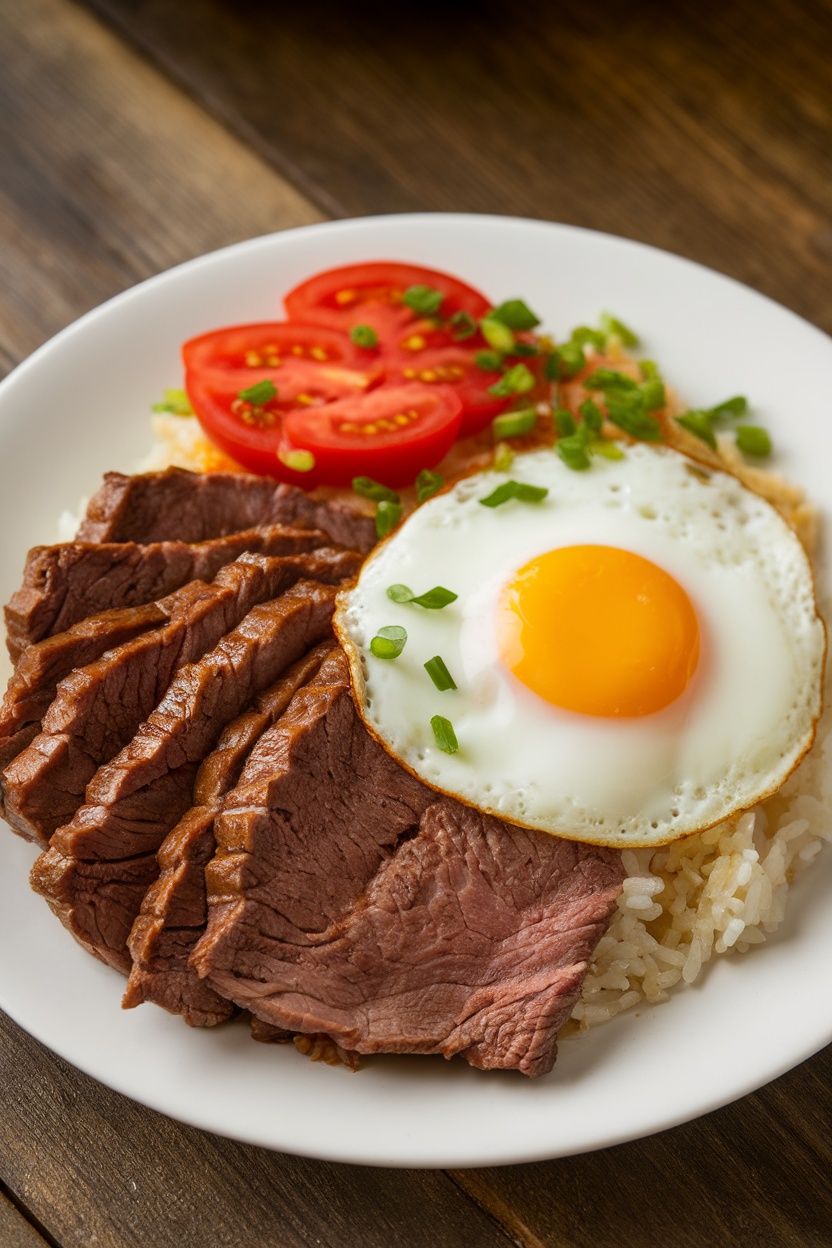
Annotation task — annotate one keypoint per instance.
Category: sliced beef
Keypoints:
(66, 583)
(391, 920)
(174, 910)
(192, 507)
(134, 802)
(34, 682)
(98, 708)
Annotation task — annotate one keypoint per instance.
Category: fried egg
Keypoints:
(635, 657)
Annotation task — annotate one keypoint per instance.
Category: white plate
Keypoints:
(80, 406)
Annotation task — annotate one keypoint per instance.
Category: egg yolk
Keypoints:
(598, 630)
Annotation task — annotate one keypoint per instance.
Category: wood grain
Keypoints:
(99, 189)
(15, 1231)
(698, 126)
(95, 1168)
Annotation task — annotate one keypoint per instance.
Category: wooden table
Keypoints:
(137, 133)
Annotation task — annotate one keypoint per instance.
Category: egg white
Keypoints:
(740, 728)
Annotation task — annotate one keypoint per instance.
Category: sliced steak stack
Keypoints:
(180, 737)
(347, 898)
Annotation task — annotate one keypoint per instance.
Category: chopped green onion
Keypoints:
(432, 599)
(439, 674)
(514, 424)
(609, 379)
(649, 369)
(297, 460)
(258, 394)
(592, 415)
(364, 336)
(525, 348)
(444, 735)
(496, 334)
(572, 451)
(564, 423)
(515, 490)
(699, 424)
(423, 299)
(654, 395)
(609, 450)
(583, 336)
(619, 330)
(368, 488)
(627, 410)
(752, 440)
(551, 366)
(518, 380)
(388, 515)
(571, 359)
(515, 314)
(388, 642)
(737, 406)
(175, 401)
(464, 325)
(503, 457)
(427, 484)
(488, 361)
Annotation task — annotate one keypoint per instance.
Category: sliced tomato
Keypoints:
(373, 294)
(271, 345)
(390, 434)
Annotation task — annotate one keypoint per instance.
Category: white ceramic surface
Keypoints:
(80, 405)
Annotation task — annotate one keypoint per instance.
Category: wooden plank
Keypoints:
(703, 129)
(95, 1168)
(15, 1231)
(754, 1173)
(109, 173)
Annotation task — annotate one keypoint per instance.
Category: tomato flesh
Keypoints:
(390, 434)
(270, 344)
(372, 294)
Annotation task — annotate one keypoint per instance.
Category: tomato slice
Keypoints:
(372, 294)
(270, 344)
(390, 434)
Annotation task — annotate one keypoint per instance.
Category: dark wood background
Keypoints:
(137, 133)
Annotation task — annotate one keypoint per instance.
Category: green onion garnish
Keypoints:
(433, 599)
(608, 450)
(619, 330)
(175, 401)
(649, 369)
(464, 325)
(503, 457)
(439, 674)
(388, 643)
(592, 415)
(368, 488)
(525, 348)
(654, 395)
(515, 314)
(752, 440)
(496, 334)
(258, 394)
(518, 380)
(628, 410)
(444, 735)
(699, 424)
(573, 452)
(551, 366)
(427, 484)
(564, 423)
(488, 361)
(423, 299)
(297, 460)
(571, 359)
(583, 336)
(737, 406)
(364, 336)
(514, 424)
(388, 515)
(610, 379)
(517, 490)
